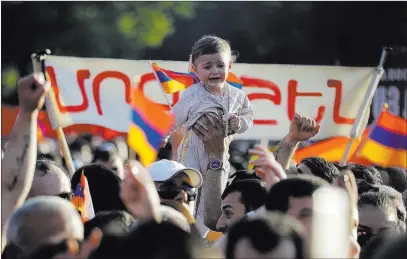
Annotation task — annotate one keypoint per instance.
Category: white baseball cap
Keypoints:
(164, 170)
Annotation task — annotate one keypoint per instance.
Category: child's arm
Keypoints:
(180, 111)
(246, 116)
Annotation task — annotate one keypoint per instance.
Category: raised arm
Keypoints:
(180, 111)
(216, 146)
(20, 156)
(301, 129)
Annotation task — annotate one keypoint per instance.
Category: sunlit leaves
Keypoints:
(9, 77)
(127, 25)
(150, 23)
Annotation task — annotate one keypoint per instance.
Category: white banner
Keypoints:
(96, 91)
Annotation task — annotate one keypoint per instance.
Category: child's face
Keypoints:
(213, 69)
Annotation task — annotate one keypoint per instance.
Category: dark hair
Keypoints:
(110, 222)
(104, 186)
(365, 187)
(385, 197)
(46, 156)
(278, 197)
(165, 152)
(242, 175)
(210, 44)
(44, 165)
(322, 168)
(110, 247)
(104, 154)
(78, 143)
(394, 249)
(158, 240)
(253, 193)
(375, 244)
(397, 178)
(265, 234)
(367, 173)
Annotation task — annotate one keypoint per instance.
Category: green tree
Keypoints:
(84, 29)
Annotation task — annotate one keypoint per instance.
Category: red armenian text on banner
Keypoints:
(95, 94)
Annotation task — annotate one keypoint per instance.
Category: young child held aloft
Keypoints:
(212, 60)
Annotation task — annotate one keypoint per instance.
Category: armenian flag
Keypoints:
(331, 149)
(150, 123)
(232, 79)
(386, 145)
(172, 81)
(82, 200)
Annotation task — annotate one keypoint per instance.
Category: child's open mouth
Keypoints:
(214, 80)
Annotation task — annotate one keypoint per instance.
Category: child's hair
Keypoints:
(210, 44)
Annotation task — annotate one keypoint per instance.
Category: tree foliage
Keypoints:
(311, 33)
(88, 29)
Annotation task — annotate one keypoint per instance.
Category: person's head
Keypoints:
(104, 187)
(380, 210)
(112, 223)
(212, 59)
(240, 198)
(174, 181)
(165, 152)
(108, 155)
(183, 216)
(395, 248)
(43, 222)
(293, 196)
(374, 245)
(272, 235)
(158, 240)
(110, 247)
(383, 174)
(242, 175)
(174, 216)
(368, 174)
(319, 167)
(81, 150)
(50, 179)
(122, 147)
(397, 178)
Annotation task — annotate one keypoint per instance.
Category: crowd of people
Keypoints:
(197, 207)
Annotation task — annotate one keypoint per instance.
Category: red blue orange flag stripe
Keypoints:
(331, 149)
(150, 123)
(172, 81)
(386, 144)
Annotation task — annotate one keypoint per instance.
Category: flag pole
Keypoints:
(137, 80)
(354, 133)
(38, 62)
(189, 64)
(162, 88)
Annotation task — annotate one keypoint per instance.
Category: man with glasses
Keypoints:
(175, 182)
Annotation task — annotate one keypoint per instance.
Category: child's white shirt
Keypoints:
(196, 101)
